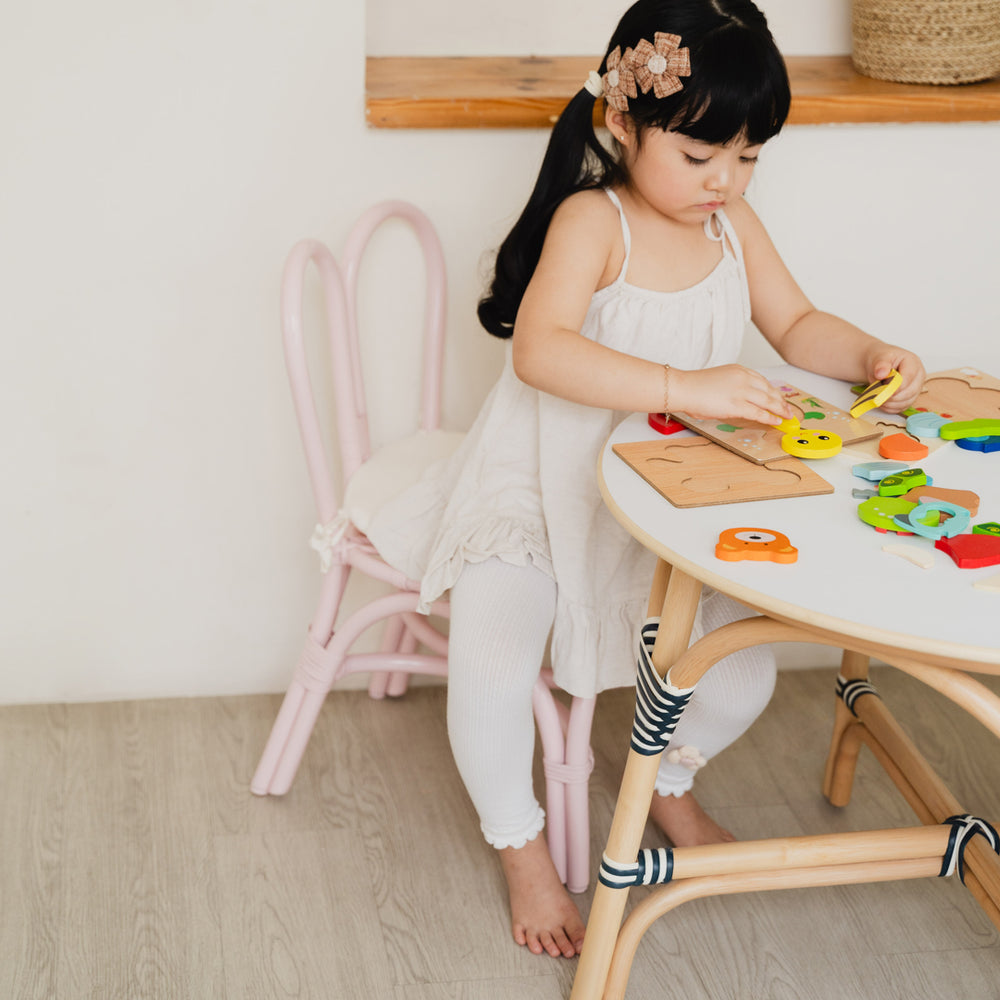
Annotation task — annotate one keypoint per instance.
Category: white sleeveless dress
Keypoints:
(522, 485)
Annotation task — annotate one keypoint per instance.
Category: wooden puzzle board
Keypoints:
(693, 472)
(761, 443)
(964, 393)
(961, 394)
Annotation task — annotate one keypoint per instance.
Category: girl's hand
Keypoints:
(728, 392)
(882, 360)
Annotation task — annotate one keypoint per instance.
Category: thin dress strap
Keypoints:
(626, 234)
(729, 240)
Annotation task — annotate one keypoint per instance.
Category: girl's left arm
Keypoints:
(808, 338)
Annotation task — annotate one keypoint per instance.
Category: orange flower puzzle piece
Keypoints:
(761, 544)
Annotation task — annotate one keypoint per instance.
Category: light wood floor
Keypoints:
(135, 864)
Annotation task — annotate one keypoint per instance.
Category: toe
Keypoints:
(563, 943)
(549, 944)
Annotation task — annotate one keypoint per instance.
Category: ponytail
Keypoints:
(737, 85)
(575, 160)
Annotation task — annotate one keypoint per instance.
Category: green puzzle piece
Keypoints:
(983, 427)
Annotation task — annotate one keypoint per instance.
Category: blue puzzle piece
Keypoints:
(925, 424)
(877, 470)
(921, 520)
(979, 443)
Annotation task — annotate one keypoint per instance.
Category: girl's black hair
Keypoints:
(738, 87)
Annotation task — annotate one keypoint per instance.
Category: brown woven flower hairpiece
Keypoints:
(661, 64)
(658, 65)
(619, 80)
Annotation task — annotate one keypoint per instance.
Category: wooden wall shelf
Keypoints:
(531, 91)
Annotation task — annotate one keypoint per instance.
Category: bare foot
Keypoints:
(684, 821)
(543, 918)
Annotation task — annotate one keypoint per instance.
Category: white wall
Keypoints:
(159, 162)
(568, 27)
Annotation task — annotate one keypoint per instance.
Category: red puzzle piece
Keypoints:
(971, 551)
(660, 422)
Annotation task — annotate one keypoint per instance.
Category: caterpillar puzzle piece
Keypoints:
(898, 483)
(760, 544)
(876, 394)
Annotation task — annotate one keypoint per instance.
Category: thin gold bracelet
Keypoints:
(666, 388)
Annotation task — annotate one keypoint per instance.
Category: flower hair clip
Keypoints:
(660, 65)
(619, 80)
(656, 65)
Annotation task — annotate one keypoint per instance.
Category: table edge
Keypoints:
(920, 647)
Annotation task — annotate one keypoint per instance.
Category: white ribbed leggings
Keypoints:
(501, 616)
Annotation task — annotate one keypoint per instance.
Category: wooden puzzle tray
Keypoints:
(694, 472)
(761, 443)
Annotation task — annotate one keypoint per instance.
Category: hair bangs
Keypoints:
(737, 89)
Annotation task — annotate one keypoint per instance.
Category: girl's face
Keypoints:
(683, 178)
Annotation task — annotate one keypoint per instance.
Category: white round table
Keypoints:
(844, 591)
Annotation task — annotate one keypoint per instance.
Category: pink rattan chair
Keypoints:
(339, 537)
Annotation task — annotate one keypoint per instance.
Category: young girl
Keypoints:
(624, 286)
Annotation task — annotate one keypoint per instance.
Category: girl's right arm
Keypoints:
(582, 253)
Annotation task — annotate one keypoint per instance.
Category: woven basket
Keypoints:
(919, 41)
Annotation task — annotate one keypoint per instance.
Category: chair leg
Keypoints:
(297, 706)
(270, 759)
(291, 730)
(567, 761)
(550, 731)
(580, 763)
(378, 684)
(398, 681)
(838, 778)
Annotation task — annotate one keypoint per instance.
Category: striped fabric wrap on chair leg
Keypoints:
(658, 707)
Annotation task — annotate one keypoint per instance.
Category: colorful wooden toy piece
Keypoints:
(812, 444)
(902, 447)
(987, 528)
(876, 394)
(922, 520)
(880, 512)
(876, 471)
(991, 583)
(761, 442)
(925, 424)
(899, 483)
(761, 544)
(964, 498)
(971, 551)
(918, 556)
(663, 424)
(979, 443)
(983, 427)
(790, 425)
